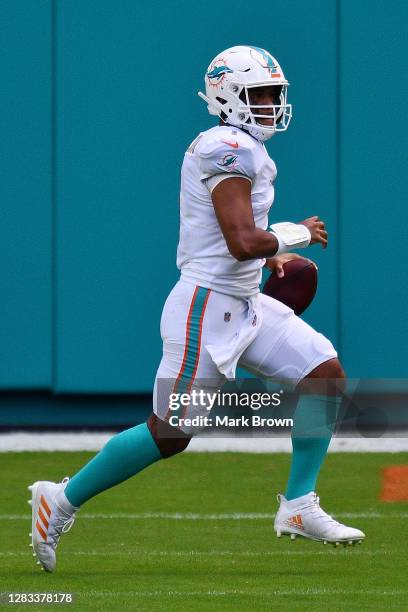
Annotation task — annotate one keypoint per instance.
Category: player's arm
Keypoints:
(232, 205)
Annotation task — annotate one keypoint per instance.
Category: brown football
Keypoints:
(297, 288)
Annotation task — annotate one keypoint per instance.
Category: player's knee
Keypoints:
(331, 368)
(328, 378)
(169, 440)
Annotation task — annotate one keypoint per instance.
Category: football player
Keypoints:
(215, 318)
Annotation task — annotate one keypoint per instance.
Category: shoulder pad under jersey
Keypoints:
(228, 150)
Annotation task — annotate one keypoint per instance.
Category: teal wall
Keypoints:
(100, 105)
(26, 261)
(373, 215)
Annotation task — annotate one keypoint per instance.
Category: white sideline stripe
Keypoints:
(216, 553)
(59, 441)
(192, 516)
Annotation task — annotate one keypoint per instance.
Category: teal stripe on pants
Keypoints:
(194, 328)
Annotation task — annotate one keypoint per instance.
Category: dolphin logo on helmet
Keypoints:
(218, 71)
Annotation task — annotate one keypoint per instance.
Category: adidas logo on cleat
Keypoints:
(42, 522)
(295, 521)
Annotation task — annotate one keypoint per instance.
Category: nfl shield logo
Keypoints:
(227, 317)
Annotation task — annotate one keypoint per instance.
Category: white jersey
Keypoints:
(202, 255)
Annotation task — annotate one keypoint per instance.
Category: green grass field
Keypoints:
(206, 547)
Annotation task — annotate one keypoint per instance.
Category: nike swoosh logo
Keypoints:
(235, 145)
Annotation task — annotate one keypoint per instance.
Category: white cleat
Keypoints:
(303, 516)
(49, 521)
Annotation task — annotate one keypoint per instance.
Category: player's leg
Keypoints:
(314, 424)
(315, 419)
(288, 348)
(183, 325)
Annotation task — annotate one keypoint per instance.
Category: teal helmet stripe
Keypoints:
(267, 57)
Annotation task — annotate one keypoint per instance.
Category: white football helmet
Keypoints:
(228, 80)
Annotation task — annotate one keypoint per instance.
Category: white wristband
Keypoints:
(290, 236)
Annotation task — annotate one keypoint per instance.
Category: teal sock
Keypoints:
(123, 456)
(313, 426)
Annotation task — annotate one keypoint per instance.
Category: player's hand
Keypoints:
(275, 264)
(317, 230)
